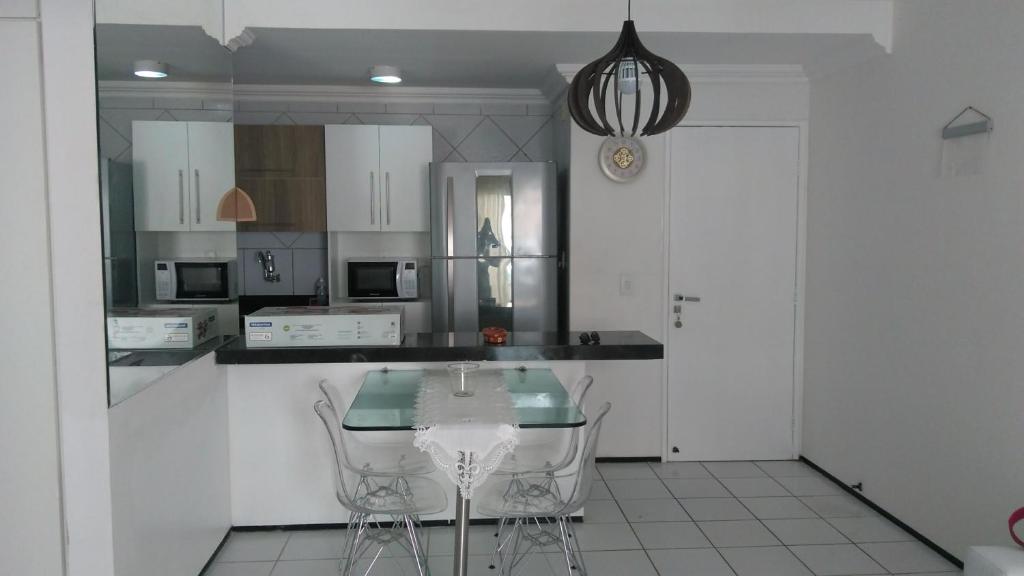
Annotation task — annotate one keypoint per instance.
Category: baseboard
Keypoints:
(343, 525)
(213, 556)
(615, 459)
(885, 514)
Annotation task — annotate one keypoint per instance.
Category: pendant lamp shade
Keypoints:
(618, 73)
(236, 206)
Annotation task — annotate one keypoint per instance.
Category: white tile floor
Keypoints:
(674, 519)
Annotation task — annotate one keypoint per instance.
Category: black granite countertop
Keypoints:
(164, 356)
(457, 346)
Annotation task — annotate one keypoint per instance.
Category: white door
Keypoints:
(733, 229)
(405, 155)
(352, 154)
(211, 153)
(160, 175)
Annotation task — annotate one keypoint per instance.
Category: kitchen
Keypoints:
(752, 290)
(416, 229)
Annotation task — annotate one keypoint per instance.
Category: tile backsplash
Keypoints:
(299, 257)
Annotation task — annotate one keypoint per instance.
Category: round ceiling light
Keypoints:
(150, 69)
(385, 75)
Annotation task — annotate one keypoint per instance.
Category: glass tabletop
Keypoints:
(387, 400)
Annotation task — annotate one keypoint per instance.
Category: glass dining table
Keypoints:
(387, 401)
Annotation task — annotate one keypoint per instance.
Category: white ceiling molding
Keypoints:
(387, 94)
(151, 88)
(872, 17)
(246, 38)
(260, 92)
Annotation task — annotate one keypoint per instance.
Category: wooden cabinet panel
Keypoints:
(282, 169)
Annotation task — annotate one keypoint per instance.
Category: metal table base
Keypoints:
(461, 534)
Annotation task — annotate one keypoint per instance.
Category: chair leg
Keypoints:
(564, 533)
(352, 542)
(417, 551)
(500, 543)
(574, 544)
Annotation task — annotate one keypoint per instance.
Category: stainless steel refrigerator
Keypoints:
(494, 246)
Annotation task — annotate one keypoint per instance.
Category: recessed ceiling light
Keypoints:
(150, 69)
(385, 75)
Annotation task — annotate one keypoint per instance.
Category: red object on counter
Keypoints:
(1015, 519)
(495, 335)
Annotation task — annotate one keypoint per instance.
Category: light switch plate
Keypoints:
(625, 284)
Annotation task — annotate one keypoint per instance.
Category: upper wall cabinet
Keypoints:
(180, 171)
(378, 178)
(282, 170)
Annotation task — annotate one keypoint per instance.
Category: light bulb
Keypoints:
(627, 77)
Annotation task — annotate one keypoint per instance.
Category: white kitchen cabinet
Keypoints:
(211, 161)
(180, 170)
(352, 153)
(377, 178)
(159, 175)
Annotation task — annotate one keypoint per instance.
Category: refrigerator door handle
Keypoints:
(449, 214)
(451, 294)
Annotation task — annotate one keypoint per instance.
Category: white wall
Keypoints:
(617, 229)
(915, 296)
(72, 181)
(54, 382)
(30, 514)
(169, 468)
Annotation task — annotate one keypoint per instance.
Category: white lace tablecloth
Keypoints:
(466, 437)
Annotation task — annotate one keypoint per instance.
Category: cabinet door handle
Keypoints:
(199, 201)
(387, 195)
(372, 219)
(181, 196)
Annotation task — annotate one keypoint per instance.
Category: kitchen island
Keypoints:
(280, 463)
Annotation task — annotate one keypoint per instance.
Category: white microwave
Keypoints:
(207, 279)
(383, 279)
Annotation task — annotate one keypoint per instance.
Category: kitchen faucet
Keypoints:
(267, 261)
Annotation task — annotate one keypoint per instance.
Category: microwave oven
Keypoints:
(383, 278)
(206, 279)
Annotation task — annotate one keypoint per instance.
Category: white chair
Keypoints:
(543, 451)
(369, 495)
(388, 453)
(523, 502)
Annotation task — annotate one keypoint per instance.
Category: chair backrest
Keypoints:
(343, 476)
(579, 391)
(584, 480)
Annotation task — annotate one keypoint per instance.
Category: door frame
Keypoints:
(799, 282)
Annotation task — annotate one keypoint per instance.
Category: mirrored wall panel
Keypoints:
(170, 205)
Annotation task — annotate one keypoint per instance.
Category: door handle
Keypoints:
(199, 201)
(677, 308)
(181, 196)
(387, 195)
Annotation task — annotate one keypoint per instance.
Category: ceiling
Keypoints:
(190, 54)
(483, 59)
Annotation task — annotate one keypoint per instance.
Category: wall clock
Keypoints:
(622, 158)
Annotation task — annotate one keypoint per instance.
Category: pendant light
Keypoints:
(620, 71)
(236, 206)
